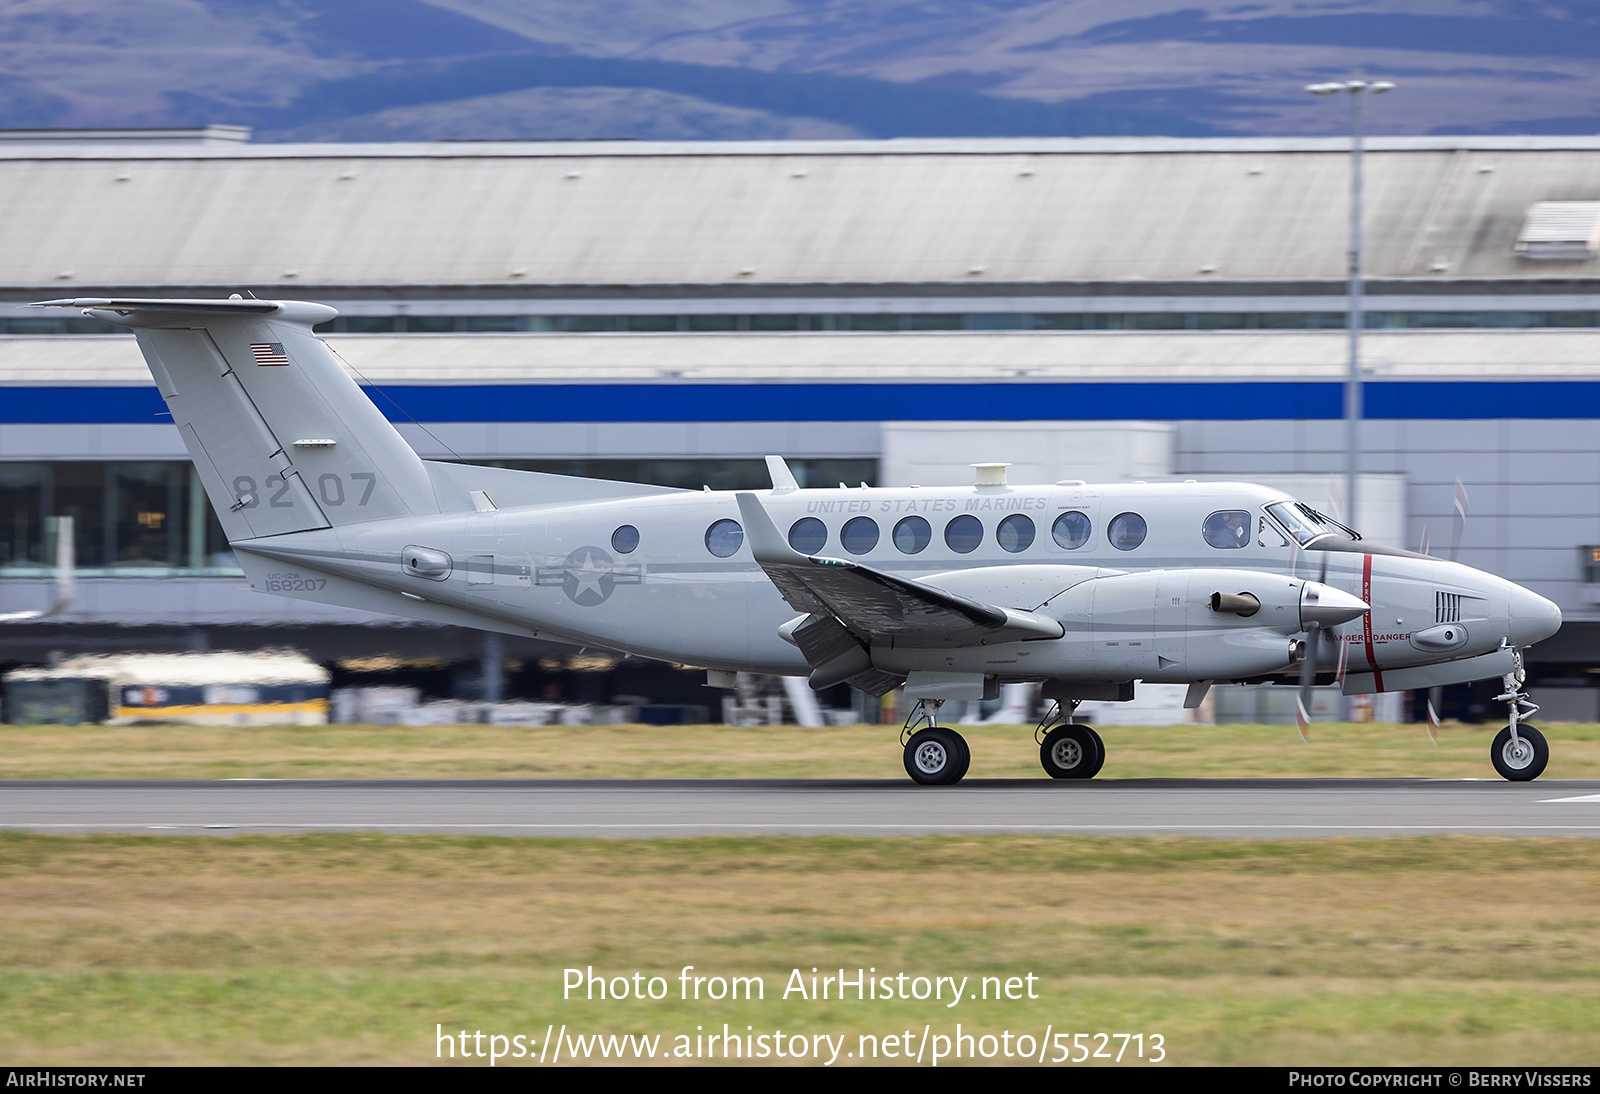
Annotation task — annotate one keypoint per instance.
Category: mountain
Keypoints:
(782, 69)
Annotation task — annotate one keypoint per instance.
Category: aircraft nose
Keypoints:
(1532, 617)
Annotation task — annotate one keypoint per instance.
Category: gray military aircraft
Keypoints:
(945, 591)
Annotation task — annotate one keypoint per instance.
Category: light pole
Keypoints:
(1357, 89)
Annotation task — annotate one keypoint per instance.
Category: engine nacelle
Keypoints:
(1167, 626)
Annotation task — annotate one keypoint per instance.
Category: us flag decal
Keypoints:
(268, 353)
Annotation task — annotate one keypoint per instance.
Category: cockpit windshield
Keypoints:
(1305, 523)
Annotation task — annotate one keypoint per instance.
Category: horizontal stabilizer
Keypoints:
(128, 311)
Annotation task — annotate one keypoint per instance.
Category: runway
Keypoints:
(1256, 809)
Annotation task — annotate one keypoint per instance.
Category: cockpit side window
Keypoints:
(1299, 521)
(1305, 523)
(1269, 535)
(1227, 529)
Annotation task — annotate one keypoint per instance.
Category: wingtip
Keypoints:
(766, 542)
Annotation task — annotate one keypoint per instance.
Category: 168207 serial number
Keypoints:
(293, 583)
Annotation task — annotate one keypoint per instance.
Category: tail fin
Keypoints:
(283, 440)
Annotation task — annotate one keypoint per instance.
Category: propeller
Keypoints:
(1461, 519)
(1308, 666)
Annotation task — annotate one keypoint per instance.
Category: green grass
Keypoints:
(354, 948)
(1008, 752)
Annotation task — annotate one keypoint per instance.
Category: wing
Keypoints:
(878, 607)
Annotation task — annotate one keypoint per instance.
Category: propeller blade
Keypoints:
(1433, 724)
(1308, 677)
(1461, 519)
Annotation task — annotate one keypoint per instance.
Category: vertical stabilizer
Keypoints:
(283, 439)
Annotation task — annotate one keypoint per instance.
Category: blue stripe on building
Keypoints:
(690, 402)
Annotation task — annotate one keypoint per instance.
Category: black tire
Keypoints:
(1072, 752)
(1100, 752)
(966, 756)
(1524, 764)
(936, 757)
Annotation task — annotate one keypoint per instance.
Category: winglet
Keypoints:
(766, 542)
(782, 477)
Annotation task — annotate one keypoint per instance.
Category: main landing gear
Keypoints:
(1069, 751)
(934, 755)
(938, 756)
(1519, 752)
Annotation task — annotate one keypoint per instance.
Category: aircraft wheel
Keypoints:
(937, 757)
(1523, 761)
(1072, 752)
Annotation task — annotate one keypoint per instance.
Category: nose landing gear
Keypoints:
(1519, 752)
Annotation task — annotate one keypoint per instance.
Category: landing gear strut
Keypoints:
(1519, 751)
(934, 755)
(1069, 751)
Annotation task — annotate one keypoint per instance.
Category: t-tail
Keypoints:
(283, 439)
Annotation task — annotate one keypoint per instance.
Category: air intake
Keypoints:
(1447, 607)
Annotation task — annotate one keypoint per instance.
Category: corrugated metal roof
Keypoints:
(1078, 356)
(846, 212)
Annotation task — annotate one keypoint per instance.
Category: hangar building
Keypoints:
(884, 312)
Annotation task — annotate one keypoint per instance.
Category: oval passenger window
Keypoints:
(724, 538)
(1126, 531)
(1015, 533)
(912, 535)
(859, 535)
(1071, 530)
(963, 534)
(808, 535)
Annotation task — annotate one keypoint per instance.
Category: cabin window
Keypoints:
(1015, 533)
(963, 534)
(1227, 529)
(1126, 531)
(625, 539)
(912, 535)
(724, 538)
(1071, 530)
(808, 535)
(859, 535)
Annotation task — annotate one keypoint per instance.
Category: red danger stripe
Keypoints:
(1366, 620)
